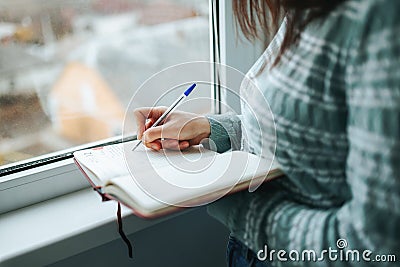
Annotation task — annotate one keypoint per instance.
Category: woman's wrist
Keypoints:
(205, 126)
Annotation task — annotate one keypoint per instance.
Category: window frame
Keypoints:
(235, 51)
(34, 180)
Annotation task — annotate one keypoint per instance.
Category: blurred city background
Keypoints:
(68, 68)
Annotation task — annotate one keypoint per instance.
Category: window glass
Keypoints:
(69, 68)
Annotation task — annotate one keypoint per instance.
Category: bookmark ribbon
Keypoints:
(121, 232)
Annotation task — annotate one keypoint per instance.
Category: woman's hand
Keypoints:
(178, 131)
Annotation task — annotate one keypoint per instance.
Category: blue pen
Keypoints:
(170, 109)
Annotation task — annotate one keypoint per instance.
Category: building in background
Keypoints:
(69, 68)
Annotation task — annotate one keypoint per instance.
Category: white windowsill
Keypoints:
(58, 228)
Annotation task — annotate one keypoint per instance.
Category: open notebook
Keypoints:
(154, 183)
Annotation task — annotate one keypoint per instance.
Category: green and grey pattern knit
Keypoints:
(335, 99)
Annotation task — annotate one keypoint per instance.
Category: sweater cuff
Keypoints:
(225, 132)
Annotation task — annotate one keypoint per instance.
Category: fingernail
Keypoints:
(154, 147)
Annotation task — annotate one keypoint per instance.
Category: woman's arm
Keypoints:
(226, 132)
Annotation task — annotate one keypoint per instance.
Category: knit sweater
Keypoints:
(335, 100)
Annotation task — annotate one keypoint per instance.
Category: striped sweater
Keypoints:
(335, 100)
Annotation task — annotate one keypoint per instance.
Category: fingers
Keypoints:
(183, 145)
(152, 134)
(145, 117)
(174, 144)
(183, 126)
(149, 123)
(140, 117)
(156, 145)
(166, 131)
(171, 144)
(170, 140)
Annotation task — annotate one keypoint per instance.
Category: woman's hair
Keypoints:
(261, 18)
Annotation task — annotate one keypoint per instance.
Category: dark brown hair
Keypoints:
(258, 19)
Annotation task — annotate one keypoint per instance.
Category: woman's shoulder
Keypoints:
(373, 20)
(371, 10)
(355, 21)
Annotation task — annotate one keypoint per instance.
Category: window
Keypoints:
(69, 68)
(67, 65)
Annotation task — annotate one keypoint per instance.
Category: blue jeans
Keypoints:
(238, 255)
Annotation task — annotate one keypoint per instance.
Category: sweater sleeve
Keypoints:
(370, 219)
(225, 132)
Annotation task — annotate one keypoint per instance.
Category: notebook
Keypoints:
(155, 183)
